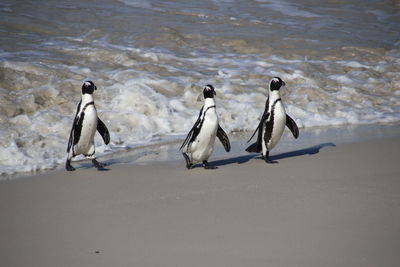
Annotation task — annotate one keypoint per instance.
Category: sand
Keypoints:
(325, 205)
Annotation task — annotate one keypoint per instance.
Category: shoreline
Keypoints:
(168, 150)
(323, 206)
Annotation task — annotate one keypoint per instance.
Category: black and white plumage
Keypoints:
(272, 122)
(86, 122)
(199, 143)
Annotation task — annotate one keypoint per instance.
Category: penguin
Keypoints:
(272, 123)
(200, 140)
(86, 122)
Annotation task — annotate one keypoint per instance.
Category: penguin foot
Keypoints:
(188, 163)
(97, 164)
(68, 166)
(267, 160)
(208, 167)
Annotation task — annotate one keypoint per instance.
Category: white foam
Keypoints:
(140, 106)
(138, 3)
(344, 79)
(287, 8)
(150, 94)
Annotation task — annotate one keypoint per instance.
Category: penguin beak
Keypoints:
(283, 83)
(215, 93)
(95, 87)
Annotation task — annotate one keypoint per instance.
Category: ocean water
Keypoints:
(150, 60)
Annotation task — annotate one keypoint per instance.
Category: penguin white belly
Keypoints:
(278, 125)
(203, 146)
(89, 126)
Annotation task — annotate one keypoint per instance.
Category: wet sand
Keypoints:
(326, 205)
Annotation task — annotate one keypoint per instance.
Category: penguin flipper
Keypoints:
(72, 136)
(263, 118)
(254, 132)
(102, 129)
(291, 124)
(77, 128)
(223, 137)
(75, 132)
(256, 147)
(191, 136)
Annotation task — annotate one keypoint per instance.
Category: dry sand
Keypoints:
(322, 206)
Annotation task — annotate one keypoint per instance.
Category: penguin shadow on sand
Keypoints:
(89, 165)
(301, 152)
(129, 157)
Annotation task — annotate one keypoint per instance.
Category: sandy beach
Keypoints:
(333, 205)
(332, 201)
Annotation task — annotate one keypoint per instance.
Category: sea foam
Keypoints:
(151, 59)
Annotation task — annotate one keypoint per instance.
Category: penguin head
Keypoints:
(276, 83)
(88, 87)
(209, 91)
